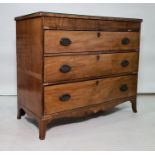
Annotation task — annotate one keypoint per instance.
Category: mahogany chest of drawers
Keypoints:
(74, 65)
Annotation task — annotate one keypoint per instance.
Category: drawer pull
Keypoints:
(125, 41)
(124, 88)
(64, 97)
(65, 42)
(65, 68)
(124, 63)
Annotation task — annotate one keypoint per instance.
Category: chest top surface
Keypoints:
(65, 15)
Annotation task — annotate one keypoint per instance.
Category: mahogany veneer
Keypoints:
(75, 65)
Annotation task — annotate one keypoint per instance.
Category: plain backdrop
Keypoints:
(8, 82)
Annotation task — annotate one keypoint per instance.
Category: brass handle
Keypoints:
(65, 97)
(65, 68)
(124, 88)
(65, 41)
(124, 63)
(125, 41)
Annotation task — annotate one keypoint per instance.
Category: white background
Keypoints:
(146, 82)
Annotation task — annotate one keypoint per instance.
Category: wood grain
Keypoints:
(87, 93)
(88, 110)
(64, 15)
(89, 41)
(29, 64)
(61, 23)
(86, 66)
(96, 82)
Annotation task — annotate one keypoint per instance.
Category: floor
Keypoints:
(118, 129)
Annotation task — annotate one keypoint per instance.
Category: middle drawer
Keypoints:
(67, 68)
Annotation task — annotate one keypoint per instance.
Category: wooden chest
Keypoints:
(74, 65)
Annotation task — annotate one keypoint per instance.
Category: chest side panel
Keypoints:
(29, 64)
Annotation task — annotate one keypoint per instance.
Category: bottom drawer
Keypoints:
(73, 95)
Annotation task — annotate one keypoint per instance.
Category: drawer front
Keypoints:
(80, 41)
(68, 68)
(70, 96)
(89, 24)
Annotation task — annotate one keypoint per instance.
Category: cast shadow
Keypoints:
(62, 121)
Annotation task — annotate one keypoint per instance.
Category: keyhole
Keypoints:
(98, 34)
(97, 57)
(97, 82)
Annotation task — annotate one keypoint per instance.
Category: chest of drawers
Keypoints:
(73, 65)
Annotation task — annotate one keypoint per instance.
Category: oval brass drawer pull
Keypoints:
(65, 42)
(125, 41)
(124, 63)
(65, 97)
(65, 69)
(124, 88)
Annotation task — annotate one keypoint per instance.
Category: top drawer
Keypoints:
(87, 24)
(82, 41)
